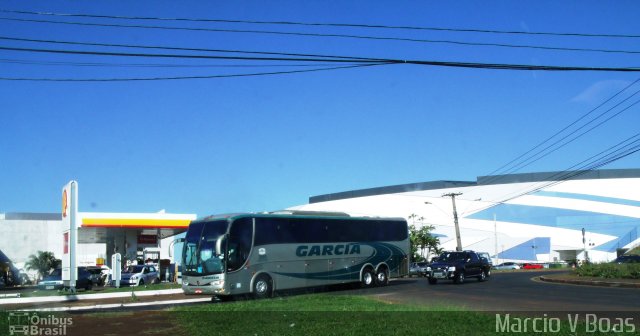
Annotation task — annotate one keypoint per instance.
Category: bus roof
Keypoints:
(293, 214)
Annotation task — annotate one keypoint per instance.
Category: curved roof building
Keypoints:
(518, 217)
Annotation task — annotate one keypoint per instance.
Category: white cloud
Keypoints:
(600, 91)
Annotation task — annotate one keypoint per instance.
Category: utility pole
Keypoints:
(495, 234)
(455, 219)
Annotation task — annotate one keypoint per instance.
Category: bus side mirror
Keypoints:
(219, 243)
(175, 241)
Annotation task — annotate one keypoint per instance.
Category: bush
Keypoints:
(610, 270)
(558, 265)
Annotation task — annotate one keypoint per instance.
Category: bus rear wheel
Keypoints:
(382, 279)
(262, 287)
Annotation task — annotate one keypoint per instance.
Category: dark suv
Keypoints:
(54, 280)
(458, 266)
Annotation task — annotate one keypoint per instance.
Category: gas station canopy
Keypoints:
(99, 227)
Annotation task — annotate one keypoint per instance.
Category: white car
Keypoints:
(507, 266)
(418, 268)
(138, 275)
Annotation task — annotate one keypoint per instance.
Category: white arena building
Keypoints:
(518, 217)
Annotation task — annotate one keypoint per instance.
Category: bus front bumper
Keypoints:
(215, 287)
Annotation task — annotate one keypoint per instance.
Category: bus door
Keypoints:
(238, 252)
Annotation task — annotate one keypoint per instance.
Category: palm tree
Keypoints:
(422, 239)
(42, 262)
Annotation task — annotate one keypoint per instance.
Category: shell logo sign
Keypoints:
(65, 203)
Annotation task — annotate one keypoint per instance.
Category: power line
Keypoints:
(341, 58)
(352, 25)
(494, 66)
(96, 44)
(523, 163)
(614, 153)
(184, 77)
(121, 54)
(596, 163)
(571, 170)
(565, 128)
(577, 170)
(501, 45)
(152, 65)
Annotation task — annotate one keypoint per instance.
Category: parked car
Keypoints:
(54, 280)
(624, 259)
(99, 274)
(486, 256)
(418, 268)
(507, 266)
(138, 275)
(458, 266)
(532, 266)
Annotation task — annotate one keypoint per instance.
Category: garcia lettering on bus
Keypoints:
(316, 250)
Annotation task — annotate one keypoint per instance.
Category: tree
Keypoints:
(42, 262)
(422, 239)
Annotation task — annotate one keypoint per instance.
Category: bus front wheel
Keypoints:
(262, 287)
(368, 279)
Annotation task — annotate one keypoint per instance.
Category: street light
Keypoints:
(584, 247)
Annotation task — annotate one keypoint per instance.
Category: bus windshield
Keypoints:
(204, 248)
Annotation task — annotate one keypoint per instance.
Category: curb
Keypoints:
(70, 298)
(117, 305)
(591, 282)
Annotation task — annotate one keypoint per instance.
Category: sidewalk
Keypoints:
(101, 300)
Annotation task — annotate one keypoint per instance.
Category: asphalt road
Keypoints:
(510, 291)
(503, 292)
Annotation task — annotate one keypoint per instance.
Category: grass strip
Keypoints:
(325, 314)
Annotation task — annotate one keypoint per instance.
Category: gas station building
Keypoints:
(99, 235)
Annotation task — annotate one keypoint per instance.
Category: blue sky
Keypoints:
(265, 143)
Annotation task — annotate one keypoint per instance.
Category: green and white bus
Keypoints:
(260, 253)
